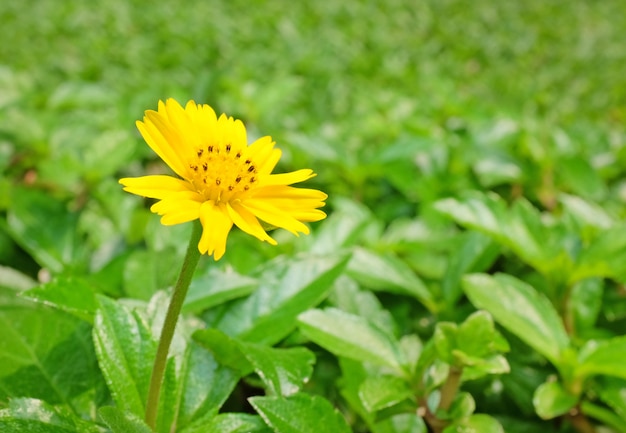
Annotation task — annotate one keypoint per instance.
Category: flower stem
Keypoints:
(169, 325)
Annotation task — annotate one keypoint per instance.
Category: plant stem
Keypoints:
(169, 325)
(450, 387)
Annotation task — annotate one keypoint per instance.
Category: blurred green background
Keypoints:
(395, 104)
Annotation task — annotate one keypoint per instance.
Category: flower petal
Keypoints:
(159, 144)
(247, 222)
(216, 225)
(274, 216)
(156, 186)
(287, 178)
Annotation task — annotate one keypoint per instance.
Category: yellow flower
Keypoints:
(223, 181)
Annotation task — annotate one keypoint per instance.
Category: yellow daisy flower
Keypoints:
(223, 180)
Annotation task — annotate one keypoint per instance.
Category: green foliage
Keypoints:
(469, 277)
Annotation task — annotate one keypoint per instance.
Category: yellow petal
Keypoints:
(216, 225)
(181, 122)
(247, 222)
(287, 178)
(157, 186)
(271, 215)
(175, 204)
(288, 192)
(161, 147)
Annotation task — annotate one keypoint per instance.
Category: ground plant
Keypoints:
(293, 217)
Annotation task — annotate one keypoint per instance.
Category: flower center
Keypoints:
(219, 172)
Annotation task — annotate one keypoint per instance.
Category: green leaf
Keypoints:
(401, 423)
(602, 357)
(201, 387)
(147, 272)
(603, 257)
(343, 228)
(287, 288)
(351, 336)
(551, 400)
(283, 371)
(519, 228)
(126, 350)
(122, 422)
(477, 423)
(232, 423)
(475, 344)
(521, 310)
(475, 254)
(585, 301)
(380, 392)
(578, 174)
(348, 297)
(217, 287)
(28, 415)
(462, 406)
(386, 272)
(611, 391)
(46, 354)
(69, 294)
(46, 229)
(13, 279)
(300, 413)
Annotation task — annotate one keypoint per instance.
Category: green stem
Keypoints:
(169, 325)
(450, 387)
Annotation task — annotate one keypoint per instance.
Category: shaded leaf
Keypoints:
(521, 310)
(551, 400)
(351, 336)
(300, 413)
(386, 272)
(380, 392)
(215, 288)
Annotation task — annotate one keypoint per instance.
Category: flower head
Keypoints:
(221, 179)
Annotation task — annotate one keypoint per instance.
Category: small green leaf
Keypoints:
(462, 406)
(603, 357)
(477, 423)
(232, 423)
(380, 392)
(300, 413)
(351, 336)
(126, 350)
(386, 272)
(121, 422)
(551, 400)
(401, 423)
(521, 310)
(69, 294)
(217, 287)
(27, 415)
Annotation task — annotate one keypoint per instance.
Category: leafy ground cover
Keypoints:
(469, 277)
